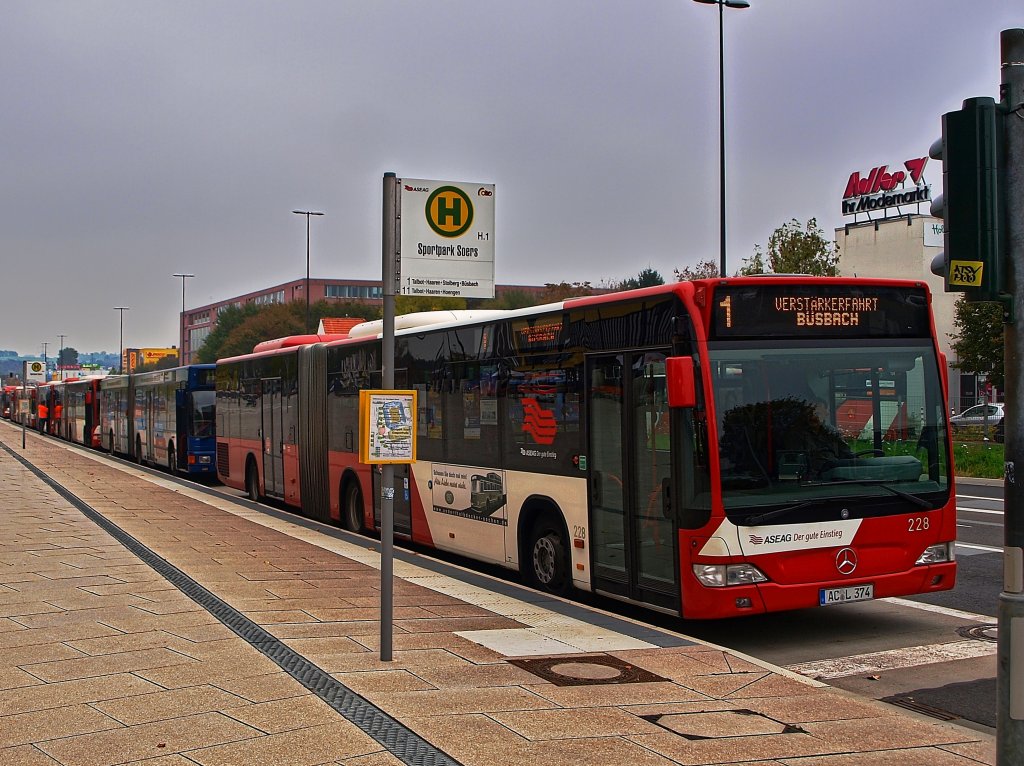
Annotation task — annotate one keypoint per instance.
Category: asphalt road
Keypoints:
(934, 654)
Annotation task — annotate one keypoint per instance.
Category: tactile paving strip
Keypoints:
(400, 741)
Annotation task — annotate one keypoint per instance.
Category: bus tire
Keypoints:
(172, 460)
(549, 557)
(352, 506)
(252, 481)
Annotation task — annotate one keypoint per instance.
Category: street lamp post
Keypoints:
(307, 213)
(120, 355)
(60, 356)
(722, 4)
(181, 338)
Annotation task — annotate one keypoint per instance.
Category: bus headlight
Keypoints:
(936, 554)
(721, 575)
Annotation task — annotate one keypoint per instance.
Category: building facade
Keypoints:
(903, 248)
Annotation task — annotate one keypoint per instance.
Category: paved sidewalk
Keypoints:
(104, 661)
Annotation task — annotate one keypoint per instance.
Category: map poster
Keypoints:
(387, 426)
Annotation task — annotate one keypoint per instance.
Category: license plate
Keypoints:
(829, 596)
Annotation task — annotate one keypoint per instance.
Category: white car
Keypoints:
(975, 416)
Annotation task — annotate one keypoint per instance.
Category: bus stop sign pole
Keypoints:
(391, 276)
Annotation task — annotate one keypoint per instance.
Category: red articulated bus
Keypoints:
(679, 446)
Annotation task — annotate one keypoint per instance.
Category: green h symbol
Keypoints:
(446, 210)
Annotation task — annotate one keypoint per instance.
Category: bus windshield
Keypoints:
(799, 423)
(203, 416)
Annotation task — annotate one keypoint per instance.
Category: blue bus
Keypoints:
(164, 418)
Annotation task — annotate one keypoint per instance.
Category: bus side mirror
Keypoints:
(682, 389)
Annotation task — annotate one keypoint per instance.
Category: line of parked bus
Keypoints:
(163, 418)
(710, 449)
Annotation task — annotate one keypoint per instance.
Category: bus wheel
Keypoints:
(172, 460)
(252, 482)
(352, 507)
(549, 556)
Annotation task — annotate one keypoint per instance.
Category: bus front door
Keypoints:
(273, 437)
(633, 533)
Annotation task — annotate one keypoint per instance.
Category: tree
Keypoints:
(240, 328)
(978, 341)
(68, 357)
(795, 249)
(703, 270)
(512, 299)
(410, 304)
(325, 309)
(563, 290)
(647, 277)
(277, 320)
(228, 319)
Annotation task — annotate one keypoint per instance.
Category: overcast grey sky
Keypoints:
(145, 138)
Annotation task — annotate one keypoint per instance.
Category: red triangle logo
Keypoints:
(916, 168)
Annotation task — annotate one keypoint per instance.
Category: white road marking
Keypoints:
(979, 497)
(944, 610)
(981, 510)
(987, 548)
(877, 662)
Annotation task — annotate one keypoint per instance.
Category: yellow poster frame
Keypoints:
(365, 426)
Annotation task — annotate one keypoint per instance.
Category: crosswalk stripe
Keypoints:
(893, 659)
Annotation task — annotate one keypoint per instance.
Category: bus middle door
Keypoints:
(273, 437)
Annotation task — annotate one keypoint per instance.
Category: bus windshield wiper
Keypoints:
(920, 501)
(759, 518)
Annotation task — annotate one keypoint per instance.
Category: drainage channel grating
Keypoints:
(403, 743)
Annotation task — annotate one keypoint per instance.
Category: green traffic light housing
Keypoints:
(971, 204)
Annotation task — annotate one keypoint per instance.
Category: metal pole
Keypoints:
(120, 358)
(387, 480)
(45, 366)
(181, 323)
(1010, 657)
(721, 131)
(739, 4)
(60, 356)
(307, 273)
(24, 396)
(307, 213)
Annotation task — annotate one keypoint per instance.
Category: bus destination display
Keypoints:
(819, 311)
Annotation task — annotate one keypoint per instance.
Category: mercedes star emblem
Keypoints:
(846, 561)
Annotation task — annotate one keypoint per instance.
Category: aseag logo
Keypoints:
(449, 211)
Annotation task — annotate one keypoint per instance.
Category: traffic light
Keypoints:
(971, 204)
